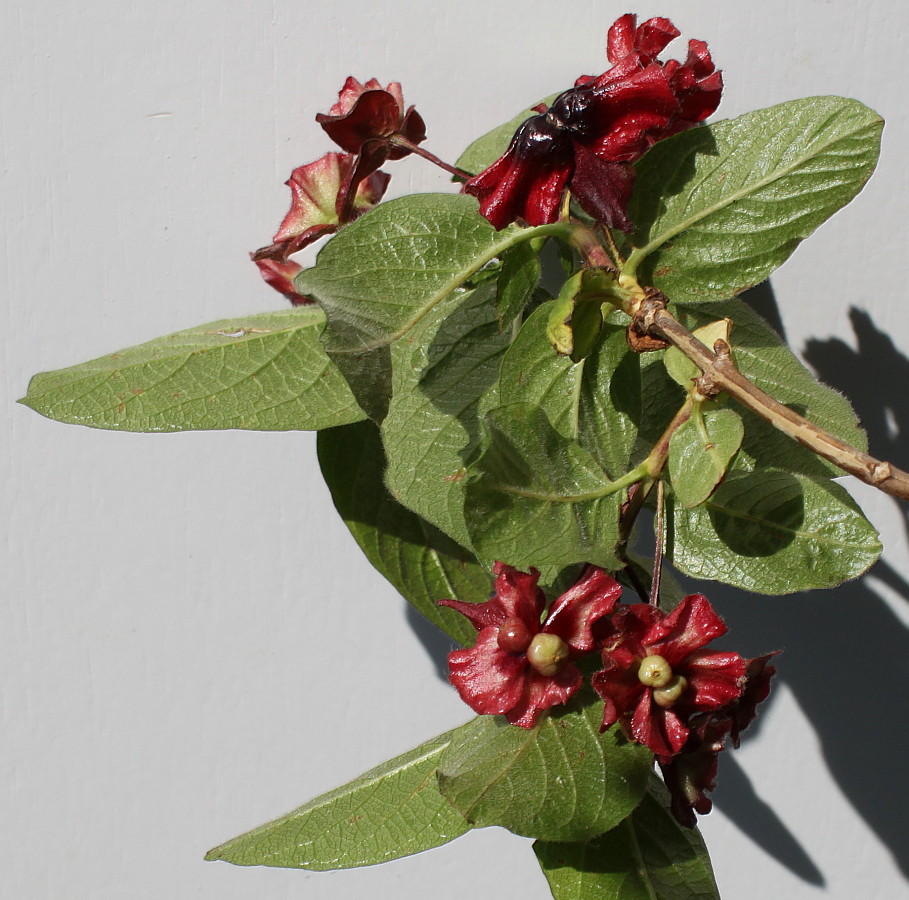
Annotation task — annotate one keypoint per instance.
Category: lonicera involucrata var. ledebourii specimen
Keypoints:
(503, 377)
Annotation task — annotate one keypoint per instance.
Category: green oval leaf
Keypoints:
(561, 780)
(700, 452)
(719, 207)
(433, 424)
(517, 282)
(649, 856)
(391, 811)
(595, 402)
(773, 532)
(537, 499)
(266, 372)
(380, 275)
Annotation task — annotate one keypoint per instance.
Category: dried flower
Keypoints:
(518, 667)
(367, 113)
(370, 121)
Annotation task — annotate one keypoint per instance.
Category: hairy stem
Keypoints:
(653, 465)
(431, 157)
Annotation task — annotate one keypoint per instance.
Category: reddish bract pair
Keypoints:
(587, 140)
(371, 124)
(657, 681)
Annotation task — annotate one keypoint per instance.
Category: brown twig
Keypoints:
(719, 373)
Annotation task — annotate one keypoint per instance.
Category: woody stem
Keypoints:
(720, 374)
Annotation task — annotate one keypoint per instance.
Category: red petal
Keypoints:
(541, 692)
(511, 189)
(658, 729)
(617, 683)
(574, 614)
(654, 35)
(699, 60)
(714, 679)
(633, 112)
(757, 687)
(620, 38)
(375, 114)
(603, 188)
(528, 180)
(634, 623)
(489, 680)
(516, 596)
(314, 192)
(691, 625)
(280, 276)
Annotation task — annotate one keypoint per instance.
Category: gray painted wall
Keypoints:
(191, 642)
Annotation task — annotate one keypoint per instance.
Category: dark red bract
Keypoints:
(656, 675)
(368, 112)
(280, 275)
(691, 774)
(587, 140)
(370, 122)
(519, 667)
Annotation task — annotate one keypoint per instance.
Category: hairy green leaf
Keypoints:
(391, 811)
(773, 532)
(433, 427)
(719, 207)
(379, 276)
(424, 564)
(595, 402)
(537, 499)
(649, 856)
(560, 780)
(265, 372)
(517, 282)
(700, 452)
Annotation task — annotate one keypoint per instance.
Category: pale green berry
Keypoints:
(655, 672)
(667, 696)
(546, 653)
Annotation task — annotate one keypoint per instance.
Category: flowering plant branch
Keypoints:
(503, 377)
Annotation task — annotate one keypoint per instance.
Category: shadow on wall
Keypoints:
(837, 643)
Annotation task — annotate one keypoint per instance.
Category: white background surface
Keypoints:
(191, 642)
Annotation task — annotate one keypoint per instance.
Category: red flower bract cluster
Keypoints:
(587, 140)
(518, 667)
(691, 774)
(656, 674)
(370, 121)
(368, 114)
(657, 681)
